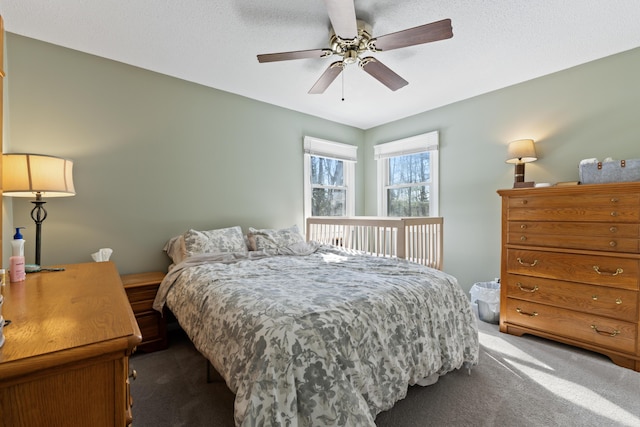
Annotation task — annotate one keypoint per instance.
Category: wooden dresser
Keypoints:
(66, 355)
(570, 267)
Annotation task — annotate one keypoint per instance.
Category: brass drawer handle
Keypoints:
(523, 238)
(614, 213)
(533, 264)
(610, 334)
(613, 229)
(523, 226)
(614, 200)
(523, 289)
(524, 313)
(618, 300)
(613, 243)
(604, 273)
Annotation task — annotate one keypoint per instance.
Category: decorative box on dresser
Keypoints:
(65, 361)
(141, 289)
(570, 266)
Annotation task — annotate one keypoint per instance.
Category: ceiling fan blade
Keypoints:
(327, 78)
(298, 54)
(342, 14)
(427, 33)
(382, 73)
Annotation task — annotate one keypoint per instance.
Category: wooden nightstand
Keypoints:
(141, 290)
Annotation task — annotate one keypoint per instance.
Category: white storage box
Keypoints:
(593, 171)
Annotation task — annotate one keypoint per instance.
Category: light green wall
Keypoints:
(155, 155)
(587, 111)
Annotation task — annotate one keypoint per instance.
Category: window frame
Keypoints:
(430, 142)
(333, 150)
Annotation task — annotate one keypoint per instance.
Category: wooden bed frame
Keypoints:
(417, 239)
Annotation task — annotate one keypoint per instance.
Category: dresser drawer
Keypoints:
(591, 329)
(611, 271)
(594, 243)
(142, 306)
(142, 293)
(613, 230)
(150, 326)
(141, 298)
(583, 207)
(615, 303)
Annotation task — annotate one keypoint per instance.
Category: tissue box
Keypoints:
(596, 172)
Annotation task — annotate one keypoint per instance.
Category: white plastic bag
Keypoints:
(488, 293)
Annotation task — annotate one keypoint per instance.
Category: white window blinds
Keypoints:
(333, 150)
(402, 147)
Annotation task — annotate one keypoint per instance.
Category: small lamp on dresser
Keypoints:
(29, 175)
(520, 152)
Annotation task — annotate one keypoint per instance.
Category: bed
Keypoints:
(310, 334)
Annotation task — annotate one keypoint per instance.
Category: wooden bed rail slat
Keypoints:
(418, 239)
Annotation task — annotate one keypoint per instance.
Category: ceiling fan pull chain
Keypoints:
(343, 83)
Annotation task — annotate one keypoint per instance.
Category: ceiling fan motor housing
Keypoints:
(350, 49)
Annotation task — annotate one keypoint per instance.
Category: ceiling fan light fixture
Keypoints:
(350, 56)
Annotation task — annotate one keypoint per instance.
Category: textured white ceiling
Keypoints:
(496, 43)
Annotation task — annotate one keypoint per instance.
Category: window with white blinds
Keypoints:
(329, 178)
(408, 176)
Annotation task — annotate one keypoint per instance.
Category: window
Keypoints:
(329, 178)
(408, 176)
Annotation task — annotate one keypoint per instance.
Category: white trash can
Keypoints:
(487, 297)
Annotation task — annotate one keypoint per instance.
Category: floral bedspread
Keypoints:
(331, 338)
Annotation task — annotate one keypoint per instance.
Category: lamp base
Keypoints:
(38, 214)
(518, 175)
(523, 184)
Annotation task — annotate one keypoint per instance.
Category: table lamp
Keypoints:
(28, 175)
(520, 152)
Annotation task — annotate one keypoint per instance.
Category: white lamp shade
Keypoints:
(24, 175)
(521, 151)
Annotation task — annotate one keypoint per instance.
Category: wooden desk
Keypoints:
(66, 356)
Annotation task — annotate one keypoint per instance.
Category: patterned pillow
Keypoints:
(214, 241)
(267, 238)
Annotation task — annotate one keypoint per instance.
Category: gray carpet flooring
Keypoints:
(520, 381)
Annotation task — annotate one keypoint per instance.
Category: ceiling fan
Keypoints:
(350, 38)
